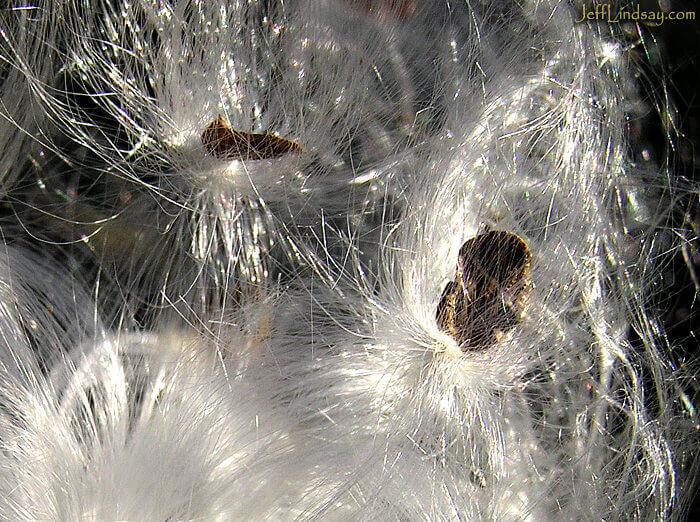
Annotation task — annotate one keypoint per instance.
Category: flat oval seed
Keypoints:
(225, 143)
(489, 292)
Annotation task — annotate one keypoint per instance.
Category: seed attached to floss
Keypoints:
(399, 9)
(489, 292)
(225, 143)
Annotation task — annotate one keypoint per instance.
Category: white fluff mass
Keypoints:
(193, 336)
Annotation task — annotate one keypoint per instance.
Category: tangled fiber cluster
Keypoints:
(334, 259)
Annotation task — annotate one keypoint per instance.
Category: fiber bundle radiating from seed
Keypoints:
(338, 260)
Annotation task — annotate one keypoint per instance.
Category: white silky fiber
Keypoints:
(336, 260)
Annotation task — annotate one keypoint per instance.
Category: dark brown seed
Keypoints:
(225, 143)
(489, 292)
(399, 9)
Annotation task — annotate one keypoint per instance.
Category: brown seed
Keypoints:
(399, 9)
(489, 292)
(225, 143)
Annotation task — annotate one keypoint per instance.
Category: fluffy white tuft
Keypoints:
(188, 335)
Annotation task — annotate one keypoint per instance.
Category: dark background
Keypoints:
(673, 50)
